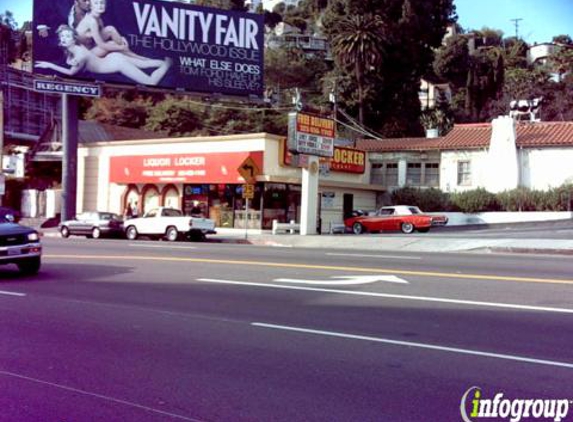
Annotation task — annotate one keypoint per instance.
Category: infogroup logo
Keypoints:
(474, 407)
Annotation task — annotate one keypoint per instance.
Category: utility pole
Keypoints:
(516, 23)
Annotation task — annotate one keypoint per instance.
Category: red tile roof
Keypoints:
(478, 135)
(398, 144)
(544, 134)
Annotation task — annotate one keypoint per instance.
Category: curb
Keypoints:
(538, 251)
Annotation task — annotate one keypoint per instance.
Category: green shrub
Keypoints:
(480, 200)
(524, 199)
(476, 200)
(426, 199)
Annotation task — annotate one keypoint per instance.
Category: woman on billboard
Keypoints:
(101, 39)
(79, 58)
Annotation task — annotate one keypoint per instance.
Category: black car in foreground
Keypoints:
(20, 245)
(93, 224)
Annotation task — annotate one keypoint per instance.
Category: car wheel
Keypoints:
(96, 233)
(131, 233)
(65, 232)
(30, 266)
(358, 228)
(171, 234)
(407, 228)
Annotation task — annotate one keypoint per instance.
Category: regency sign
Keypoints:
(52, 87)
(181, 168)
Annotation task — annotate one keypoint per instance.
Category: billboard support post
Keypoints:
(1, 137)
(70, 155)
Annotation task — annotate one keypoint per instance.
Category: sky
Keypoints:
(540, 19)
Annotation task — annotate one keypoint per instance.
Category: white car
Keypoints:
(169, 224)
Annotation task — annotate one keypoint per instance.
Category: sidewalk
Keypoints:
(385, 242)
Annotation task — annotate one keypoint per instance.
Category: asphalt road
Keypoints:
(112, 330)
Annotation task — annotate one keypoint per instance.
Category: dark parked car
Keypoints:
(20, 245)
(9, 214)
(93, 224)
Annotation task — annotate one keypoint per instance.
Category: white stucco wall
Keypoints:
(449, 169)
(546, 168)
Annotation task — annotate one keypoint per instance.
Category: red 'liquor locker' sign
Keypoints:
(181, 168)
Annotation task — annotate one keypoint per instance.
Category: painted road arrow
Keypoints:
(346, 280)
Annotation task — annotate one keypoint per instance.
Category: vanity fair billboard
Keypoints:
(148, 42)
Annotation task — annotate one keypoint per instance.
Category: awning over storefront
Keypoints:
(181, 168)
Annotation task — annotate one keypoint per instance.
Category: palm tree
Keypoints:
(358, 47)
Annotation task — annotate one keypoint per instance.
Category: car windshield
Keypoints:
(106, 216)
(415, 210)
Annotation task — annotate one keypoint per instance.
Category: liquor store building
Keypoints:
(209, 173)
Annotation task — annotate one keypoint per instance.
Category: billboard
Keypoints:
(148, 42)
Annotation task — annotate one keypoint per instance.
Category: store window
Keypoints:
(221, 204)
(377, 174)
(432, 174)
(275, 200)
(171, 197)
(464, 173)
(251, 216)
(414, 174)
(392, 174)
(150, 198)
(196, 199)
(131, 202)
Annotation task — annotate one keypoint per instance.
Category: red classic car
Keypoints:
(397, 217)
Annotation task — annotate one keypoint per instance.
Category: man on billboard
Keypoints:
(77, 12)
(151, 42)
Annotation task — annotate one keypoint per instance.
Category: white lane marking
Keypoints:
(161, 246)
(394, 296)
(347, 280)
(4, 292)
(417, 345)
(374, 256)
(99, 396)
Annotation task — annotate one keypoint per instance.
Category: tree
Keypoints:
(224, 4)
(174, 116)
(358, 48)
(8, 44)
(412, 30)
(120, 110)
(452, 61)
(7, 19)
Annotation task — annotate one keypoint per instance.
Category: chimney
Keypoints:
(432, 133)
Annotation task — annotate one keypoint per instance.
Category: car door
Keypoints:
(147, 223)
(78, 226)
(385, 220)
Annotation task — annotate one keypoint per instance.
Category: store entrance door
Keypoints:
(347, 205)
